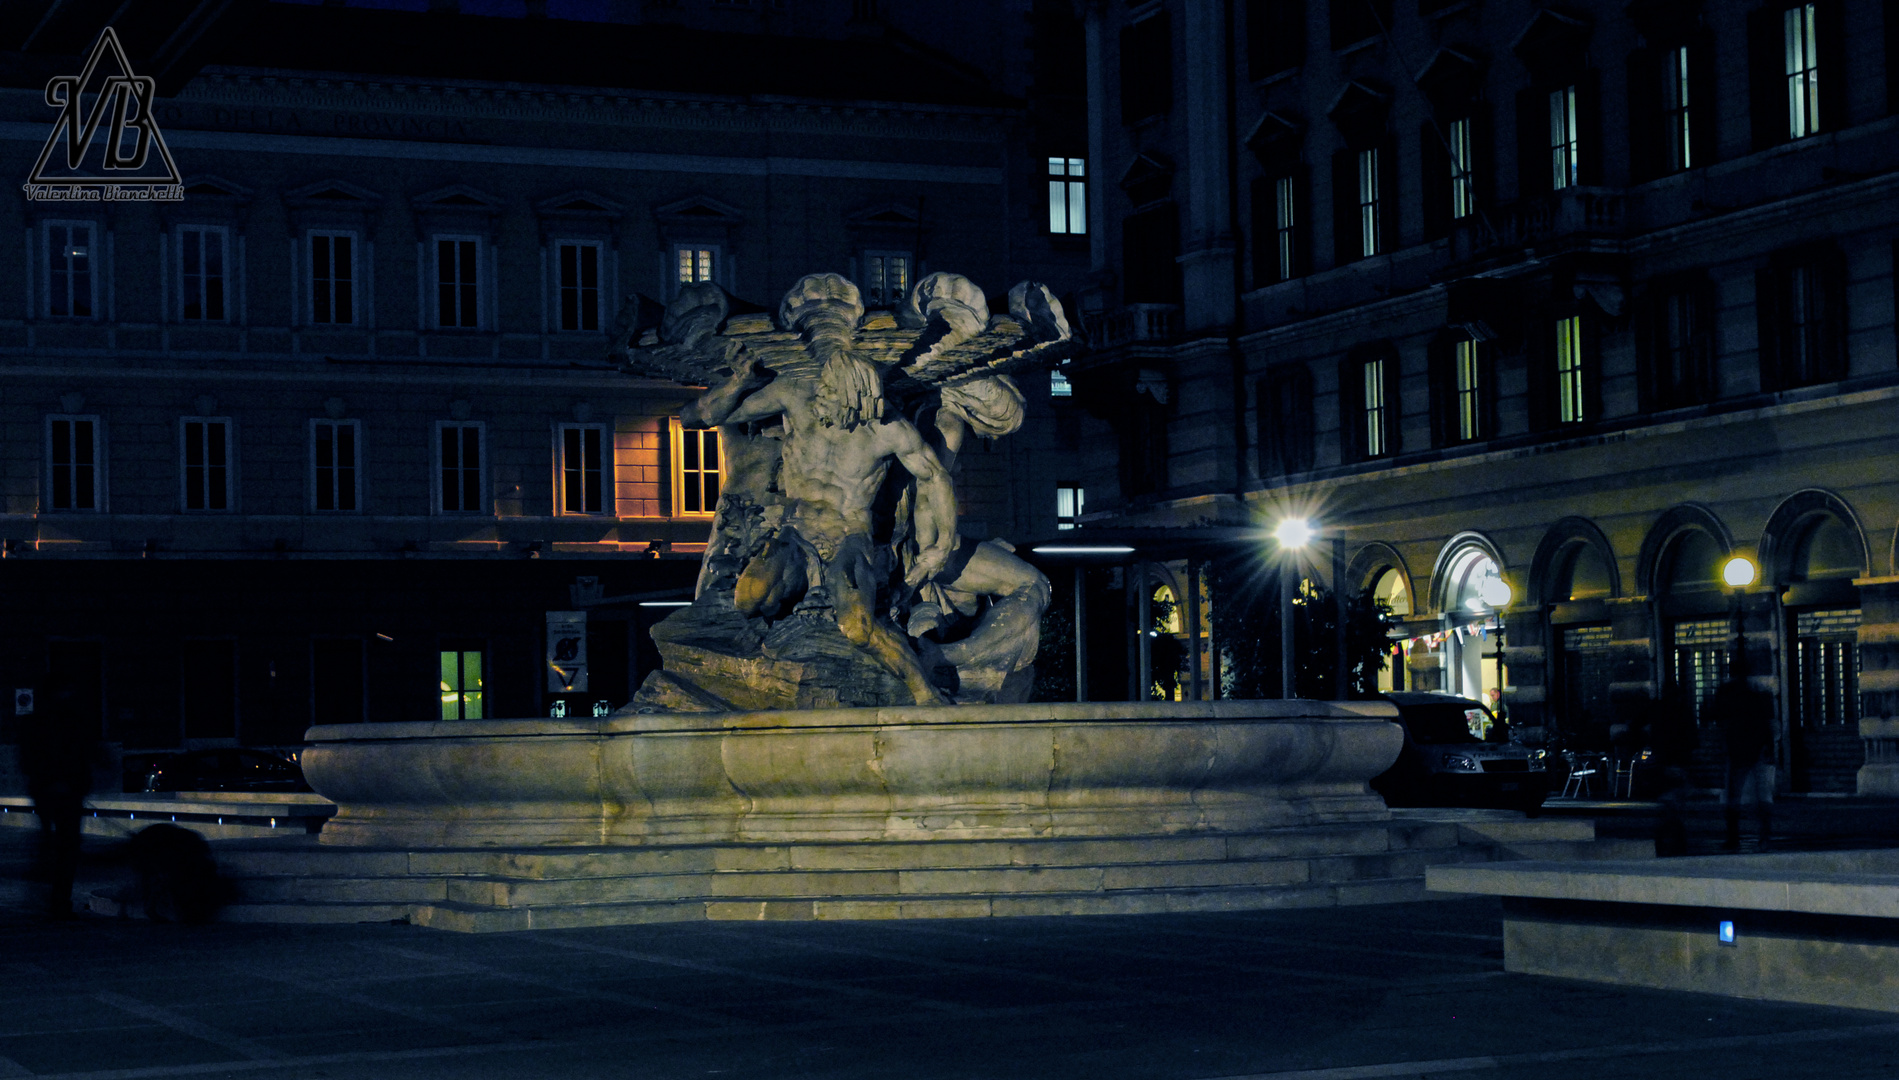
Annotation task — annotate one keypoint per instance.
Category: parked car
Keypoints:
(1456, 754)
(224, 769)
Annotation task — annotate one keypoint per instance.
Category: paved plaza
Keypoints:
(1411, 990)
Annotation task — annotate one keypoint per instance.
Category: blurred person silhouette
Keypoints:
(1673, 738)
(56, 755)
(1745, 716)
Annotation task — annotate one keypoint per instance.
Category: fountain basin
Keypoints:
(830, 775)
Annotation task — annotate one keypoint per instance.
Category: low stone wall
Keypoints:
(891, 774)
(1815, 927)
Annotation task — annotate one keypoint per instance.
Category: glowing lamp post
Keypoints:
(1738, 572)
(1293, 535)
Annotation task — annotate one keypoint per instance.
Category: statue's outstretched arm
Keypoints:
(722, 403)
(933, 518)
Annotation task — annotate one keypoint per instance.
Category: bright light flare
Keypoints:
(1739, 572)
(1293, 533)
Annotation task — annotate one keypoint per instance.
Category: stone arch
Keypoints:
(1789, 522)
(1687, 517)
(1370, 562)
(1447, 556)
(1552, 553)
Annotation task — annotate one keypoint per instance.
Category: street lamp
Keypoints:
(1293, 535)
(1495, 593)
(1738, 572)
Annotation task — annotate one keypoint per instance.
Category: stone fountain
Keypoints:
(840, 728)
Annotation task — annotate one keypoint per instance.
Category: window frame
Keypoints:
(1071, 496)
(461, 650)
(97, 466)
(1371, 408)
(91, 270)
(682, 438)
(716, 253)
(336, 490)
(1565, 138)
(579, 288)
(183, 277)
(1068, 194)
(604, 468)
(1802, 73)
(875, 296)
(439, 469)
(353, 282)
(460, 289)
(230, 486)
(1569, 372)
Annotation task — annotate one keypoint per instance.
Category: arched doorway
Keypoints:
(1389, 588)
(1813, 551)
(1471, 665)
(1582, 660)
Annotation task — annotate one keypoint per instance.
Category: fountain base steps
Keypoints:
(296, 880)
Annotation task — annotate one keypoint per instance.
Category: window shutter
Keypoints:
(1644, 320)
(1767, 77)
(1394, 409)
(1589, 146)
(1351, 410)
(1769, 319)
(1830, 15)
(1441, 360)
(1704, 137)
(1701, 346)
(1389, 219)
(1435, 160)
(1265, 234)
(1646, 133)
(1302, 221)
(1483, 168)
(1830, 265)
(1346, 243)
(1533, 143)
(1539, 355)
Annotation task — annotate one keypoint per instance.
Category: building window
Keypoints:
(69, 270)
(1067, 196)
(578, 267)
(1462, 162)
(1675, 105)
(201, 262)
(458, 283)
(1569, 370)
(1285, 226)
(72, 461)
(696, 480)
(1681, 348)
(694, 263)
(1369, 202)
(333, 278)
(1275, 36)
(1147, 68)
(460, 465)
(1563, 139)
(1058, 384)
(1468, 375)
(206, 463)
(1802, 51)
(1826, 668)
(462, 684)
(333, 462)
(1372, 408)
(582, 469)
(886, 278)
(1286, 443)
(1068, 505)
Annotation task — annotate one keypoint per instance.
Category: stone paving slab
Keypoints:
(1400, 990)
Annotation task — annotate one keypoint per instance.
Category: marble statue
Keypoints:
(834, 574)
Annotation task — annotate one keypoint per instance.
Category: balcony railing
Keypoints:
(1555, 218)
(1134, 323)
